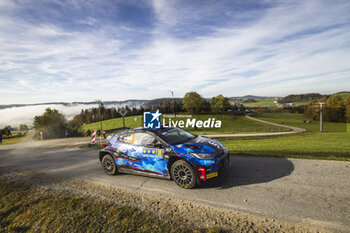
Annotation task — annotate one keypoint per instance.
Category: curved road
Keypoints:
(292, 130)
(310, 191)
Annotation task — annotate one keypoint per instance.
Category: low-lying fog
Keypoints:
(24, 115)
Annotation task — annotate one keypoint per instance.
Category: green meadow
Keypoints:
(333, 143)
(269, 103)
(229, 125)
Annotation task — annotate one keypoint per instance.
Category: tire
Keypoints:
(108, 165)
(183, 174)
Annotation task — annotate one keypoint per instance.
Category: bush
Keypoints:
(53, 124)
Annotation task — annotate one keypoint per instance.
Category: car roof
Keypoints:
(155, 131)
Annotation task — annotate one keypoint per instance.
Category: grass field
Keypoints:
(332, 144)
(269, 103)
(24, 209)
(296, 119)
(115, 123)
(237, 125)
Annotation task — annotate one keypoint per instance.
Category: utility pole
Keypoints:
(172, 97)
(99, 105)
(321, 117)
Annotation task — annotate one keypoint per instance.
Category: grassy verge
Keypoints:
(16, 138)
(237, 125)
(330, 146)
(333, 144)
(26, 209)
(7, 141)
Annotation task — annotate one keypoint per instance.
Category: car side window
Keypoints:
(127, 138)
(144, 139)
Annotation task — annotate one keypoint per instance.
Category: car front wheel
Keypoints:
(183, 174)
(109, 165)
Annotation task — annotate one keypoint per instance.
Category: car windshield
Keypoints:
(176, 136)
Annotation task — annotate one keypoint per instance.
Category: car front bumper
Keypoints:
(214, 173)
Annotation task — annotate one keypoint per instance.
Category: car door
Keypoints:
(128, 157)
(151, 153)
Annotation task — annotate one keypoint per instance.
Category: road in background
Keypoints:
(292, 129)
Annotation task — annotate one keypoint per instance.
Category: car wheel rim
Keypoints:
(183, 175)
(108, 165)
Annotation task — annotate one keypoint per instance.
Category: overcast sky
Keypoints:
(115, 50)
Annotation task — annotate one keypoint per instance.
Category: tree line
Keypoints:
(303, 98)
(192, 102)
(92, 115)
(53, 124)
(336, 109)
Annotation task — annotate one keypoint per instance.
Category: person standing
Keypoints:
(88, 133)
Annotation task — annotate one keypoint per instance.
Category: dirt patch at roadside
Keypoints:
(192, 215)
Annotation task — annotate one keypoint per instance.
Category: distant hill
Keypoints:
(302, 98)
(15, 114)
(253, 97)
(130, 103)
(343, 94)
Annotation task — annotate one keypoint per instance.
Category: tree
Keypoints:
(23, 127)
(192, 102)
(7, 131)
(347, 108)
(335, 109)
(52, 124)
(311, 111)
(219, 104)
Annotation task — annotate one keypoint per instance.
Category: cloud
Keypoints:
(123, 50)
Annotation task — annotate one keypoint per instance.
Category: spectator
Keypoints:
(104, 134)
(98, 132)
(88, 133)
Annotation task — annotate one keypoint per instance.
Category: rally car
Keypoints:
(170, 153)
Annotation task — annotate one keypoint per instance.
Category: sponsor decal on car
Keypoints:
(208, 161)
(211, 175)
(158, 152)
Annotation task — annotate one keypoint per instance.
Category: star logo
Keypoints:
(151, 120)
(155, 115)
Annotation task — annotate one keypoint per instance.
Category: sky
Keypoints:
(83, 50)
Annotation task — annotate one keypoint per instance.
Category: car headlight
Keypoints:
(203, 155)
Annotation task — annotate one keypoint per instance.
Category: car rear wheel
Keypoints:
(109, 165)
(183, 174)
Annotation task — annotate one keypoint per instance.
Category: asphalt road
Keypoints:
(310, 191)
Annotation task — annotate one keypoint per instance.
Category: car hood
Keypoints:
(203, 144)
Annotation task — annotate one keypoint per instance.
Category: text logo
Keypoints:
(151, 120)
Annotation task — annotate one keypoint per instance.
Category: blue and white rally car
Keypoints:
(170, 153)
